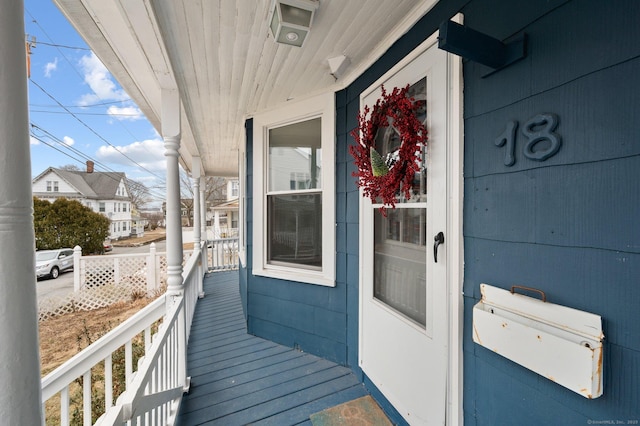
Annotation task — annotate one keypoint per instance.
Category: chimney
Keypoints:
(89, 166)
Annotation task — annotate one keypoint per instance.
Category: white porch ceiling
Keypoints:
(225, 64)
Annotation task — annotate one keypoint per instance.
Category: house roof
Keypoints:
(96, 185)
(229, 205)
(224, 62)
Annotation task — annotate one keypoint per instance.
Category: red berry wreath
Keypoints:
(384, 179)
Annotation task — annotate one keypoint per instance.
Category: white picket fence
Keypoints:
(153, 391)
(101, 281)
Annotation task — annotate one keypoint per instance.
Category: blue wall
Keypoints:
(309, 317)
(568, 225)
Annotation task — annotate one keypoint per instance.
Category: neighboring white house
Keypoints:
(224, 217)
(102, 192)
(138, 223)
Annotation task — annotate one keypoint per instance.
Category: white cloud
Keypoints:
(130, 113)
(50, 67)
(68, 140)
(148, 153)
(100, 81)
(33, 141)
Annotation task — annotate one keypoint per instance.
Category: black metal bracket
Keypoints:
(478, 47)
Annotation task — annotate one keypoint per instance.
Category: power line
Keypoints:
(79, 106)
(71, 148)
(33, 19)
(51, 146)
(152, 194)
(85, 156)
(62, 45)
(88, 113)
(94, 132)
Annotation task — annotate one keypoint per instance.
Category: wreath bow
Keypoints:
(383, 179)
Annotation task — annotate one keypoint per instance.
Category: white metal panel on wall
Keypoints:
(557, 342)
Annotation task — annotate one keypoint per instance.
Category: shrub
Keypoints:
(67, 223)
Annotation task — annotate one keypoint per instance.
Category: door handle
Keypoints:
(438, 239)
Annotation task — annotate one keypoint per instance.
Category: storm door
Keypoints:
(403, 297)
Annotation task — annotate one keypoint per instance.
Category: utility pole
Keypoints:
(30, 43)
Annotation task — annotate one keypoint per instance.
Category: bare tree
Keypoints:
(154, 219)
(139, 193)
(215, 192)
(70, 168)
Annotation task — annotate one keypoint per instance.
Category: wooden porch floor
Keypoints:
(239, 379)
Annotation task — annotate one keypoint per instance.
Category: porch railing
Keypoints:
(223, 254)
(153, 392)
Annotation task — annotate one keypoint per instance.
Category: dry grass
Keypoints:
(63, 337)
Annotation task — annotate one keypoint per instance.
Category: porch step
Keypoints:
(362, 411)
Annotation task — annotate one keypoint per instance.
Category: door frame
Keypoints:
(454, 245)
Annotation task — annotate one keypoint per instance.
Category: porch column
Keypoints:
(197, 221)
(217, 234)
(20, 400)
(203, 208)
(171, 136)
(196, 203)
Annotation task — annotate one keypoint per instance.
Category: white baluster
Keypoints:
(108, 382)
(86, 398)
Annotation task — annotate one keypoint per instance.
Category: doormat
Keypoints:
(358, 412)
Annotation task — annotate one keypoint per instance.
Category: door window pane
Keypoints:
(400, 238)
(388, 141)
(400, 267)
(294, 229)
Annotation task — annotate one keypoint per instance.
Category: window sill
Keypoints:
(301, 276)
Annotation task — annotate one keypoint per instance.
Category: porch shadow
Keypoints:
(239, 379)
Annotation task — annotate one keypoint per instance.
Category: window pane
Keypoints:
(400, 262)
(406, 225)
(295, 229)
(295, 156)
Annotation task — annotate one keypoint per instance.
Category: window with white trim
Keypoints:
(294, 208)
(294, 199)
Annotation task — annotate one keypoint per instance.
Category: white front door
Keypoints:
(404, 322)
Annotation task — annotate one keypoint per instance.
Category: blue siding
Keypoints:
(569, 225)
(304, 316)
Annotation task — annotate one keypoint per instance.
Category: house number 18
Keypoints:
(537, 129)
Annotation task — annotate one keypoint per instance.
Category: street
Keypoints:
(47, 287)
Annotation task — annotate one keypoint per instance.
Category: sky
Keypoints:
(79, 112)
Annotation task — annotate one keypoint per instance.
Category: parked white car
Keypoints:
(50, 263)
